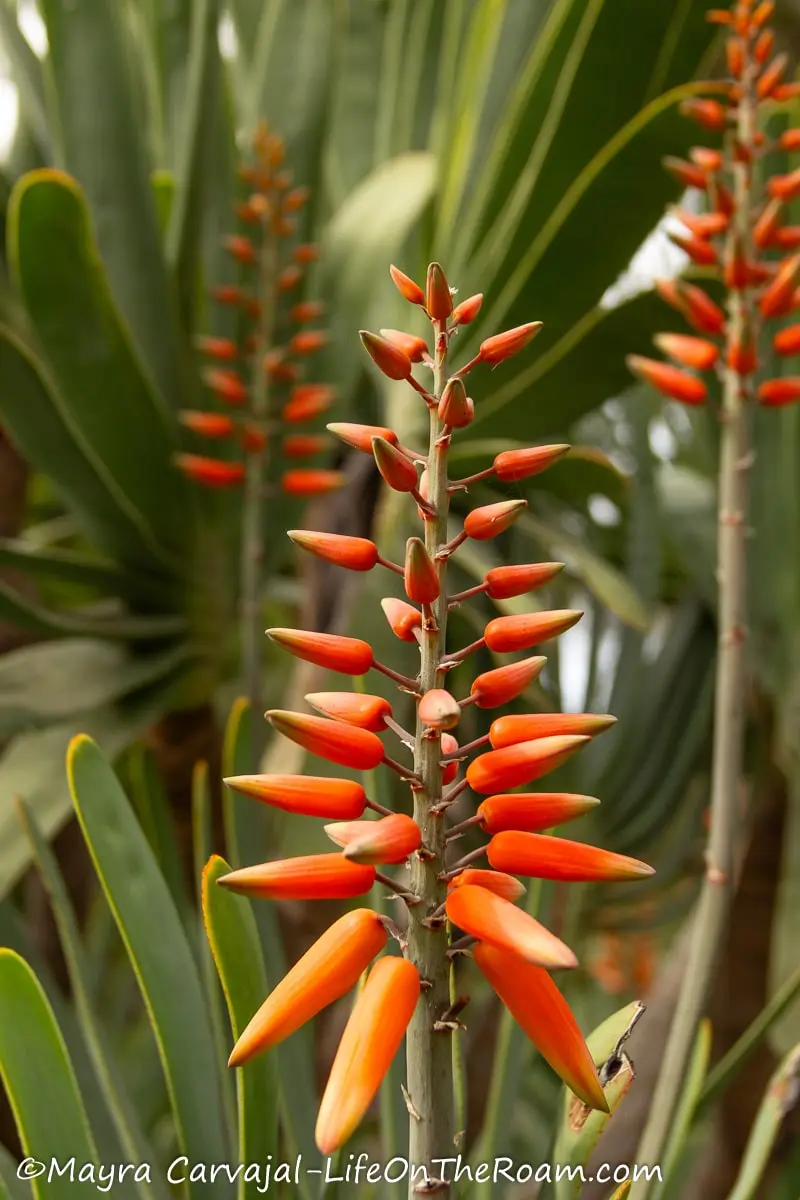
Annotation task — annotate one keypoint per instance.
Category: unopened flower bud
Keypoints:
(503, 345)
(394, 362)
(438, 297)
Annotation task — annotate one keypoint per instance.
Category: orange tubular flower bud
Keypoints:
(289, 278)
(230, 295)
(761, 52)
(360, 436)
(324, 974)
(448, 745)
(394, 362)
(504, 684)
(788, 238)
(354, 553)
(416, 348)
(785, 187)
(406, 287)
(305, 254)
(216, 347)
(544, 857)
(668, 380)
(467, 310)
(767, 224)
(295, 199)
(492, 919)
(241, 248)
(503, 345)
(774, 393)
(686, 173)
(493, 881)
(532, 811)
(762, 13)
(698, 250)
(308, 340)
(398, 471)
(742, 356)
(502, 583)
(541, 1011)
(420, 576)
(699, 309)
(515, 766)
(371, 1039)
(438, 297)
(339, 743)
(718, 16)
(734, 52)
(307, 401)
(210, 472)
(690, 351)
(786, 91)
(206, 424)
(312, 483)
(509, 730)
(493, 519)
(253, 439)
(304, 445)
(787, 341)
(307, 310)
(455, 407)
(311, 877)
(507, 635)
(389, 840)
(703, 225)
(404, 619)
(307, 795)
(777, 299)
(772, 76)
(354, 708)
(226, 384)
(708, 113)
(706, 159)
(439, 710)
(349, 655)
(513, 465)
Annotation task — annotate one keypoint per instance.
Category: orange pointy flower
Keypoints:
(494, 881)
(253, 438)
(492, 519)
(439, 709)
(734, 52)
(312, 877)
(398, 471)
(226, 384)
(388, 840)
(719, 16)
(507, 635)
(210, 471)
(303, 445)
(706, 159)
(777, 299)
(371, 1039)
(240, 248)
(703, 225)
(307, 795)
(545, 857)
(502, 583)
(308, 340)
(490, 918)
(762, 13)
(206, 424)
(689, 174)
(767, 224)
(405, 620)
(700, 310)
(708, 113)
(503, 345)
(697, 249)
(312, 482)
(354, 553)
(360, 436)
(415, 347)
(504, 684)
(394, 362)
(227, 294)
(514, 766)
(786, 91)
(306, 253)
(307, 401)
(438, 297)
(343, 744)
(216, 347)
(761, 52)
(278, 367)
(775, 392)
(787, 341)
(790, 140)
(788, 238)
(307, 310)
(448, 745)
(406, 287)
(467, 310)
(742, 355)
(354, 708)
(772, 76)
(668, 380)
(538, 1007)
(295, 199)
(509, 730)
(420, 577)
(325, 973)
(532, 811)
(785, 187)
(289, 278)
(455, 407)
(334, 651)
(690, 351)
(512, 465)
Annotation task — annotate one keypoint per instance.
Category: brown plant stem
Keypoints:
(712, 913)
(429, 1061)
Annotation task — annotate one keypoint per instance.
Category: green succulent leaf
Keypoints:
(779, 1099)
(65, 566)
(122, 627)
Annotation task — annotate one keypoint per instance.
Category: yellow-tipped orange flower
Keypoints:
(502, 583)
(354, 553)
(370, 1041)
(394, 362)
(668, 380)
(546, 857)
(406, 286)
(532, 811)
(438, 297)
(493, 519)
(211, 472)
(439, 709)
(509, 730)
(312, 483)
(504, 684)
(349, 655)
(404, 620)
(360, 436)
(490, 918)
(398, 471)
(415, 347)
(494, 881)
(325, 973)
(309, 795)
(690, 351)
(506, 635)
(500, 347)
(541, 1011)
(420, 576)
(339, 743)
(354, 708)
(513, 465)
(311, 877)
(389, 840)
(514, 766)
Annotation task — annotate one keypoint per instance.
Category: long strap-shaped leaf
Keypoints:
(779, 1099)
(30, 615)
(156, 943)
(40, 1081)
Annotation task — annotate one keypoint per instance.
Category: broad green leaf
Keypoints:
(682, 1121)
(18, 610)
(34, 1064)
(156, 943)
(11, 1187)
(234, 941)
(153, 811)
(100, 144)
(110, 398)
(66, 566)
(779, 1099)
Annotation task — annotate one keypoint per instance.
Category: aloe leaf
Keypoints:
(18, 610)
(155, 817)
(27, 74)
(11, 1186)
(780, 1098)
(682, 1121)
(66, 566)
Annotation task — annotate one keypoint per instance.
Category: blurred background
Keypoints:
(518, 143)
